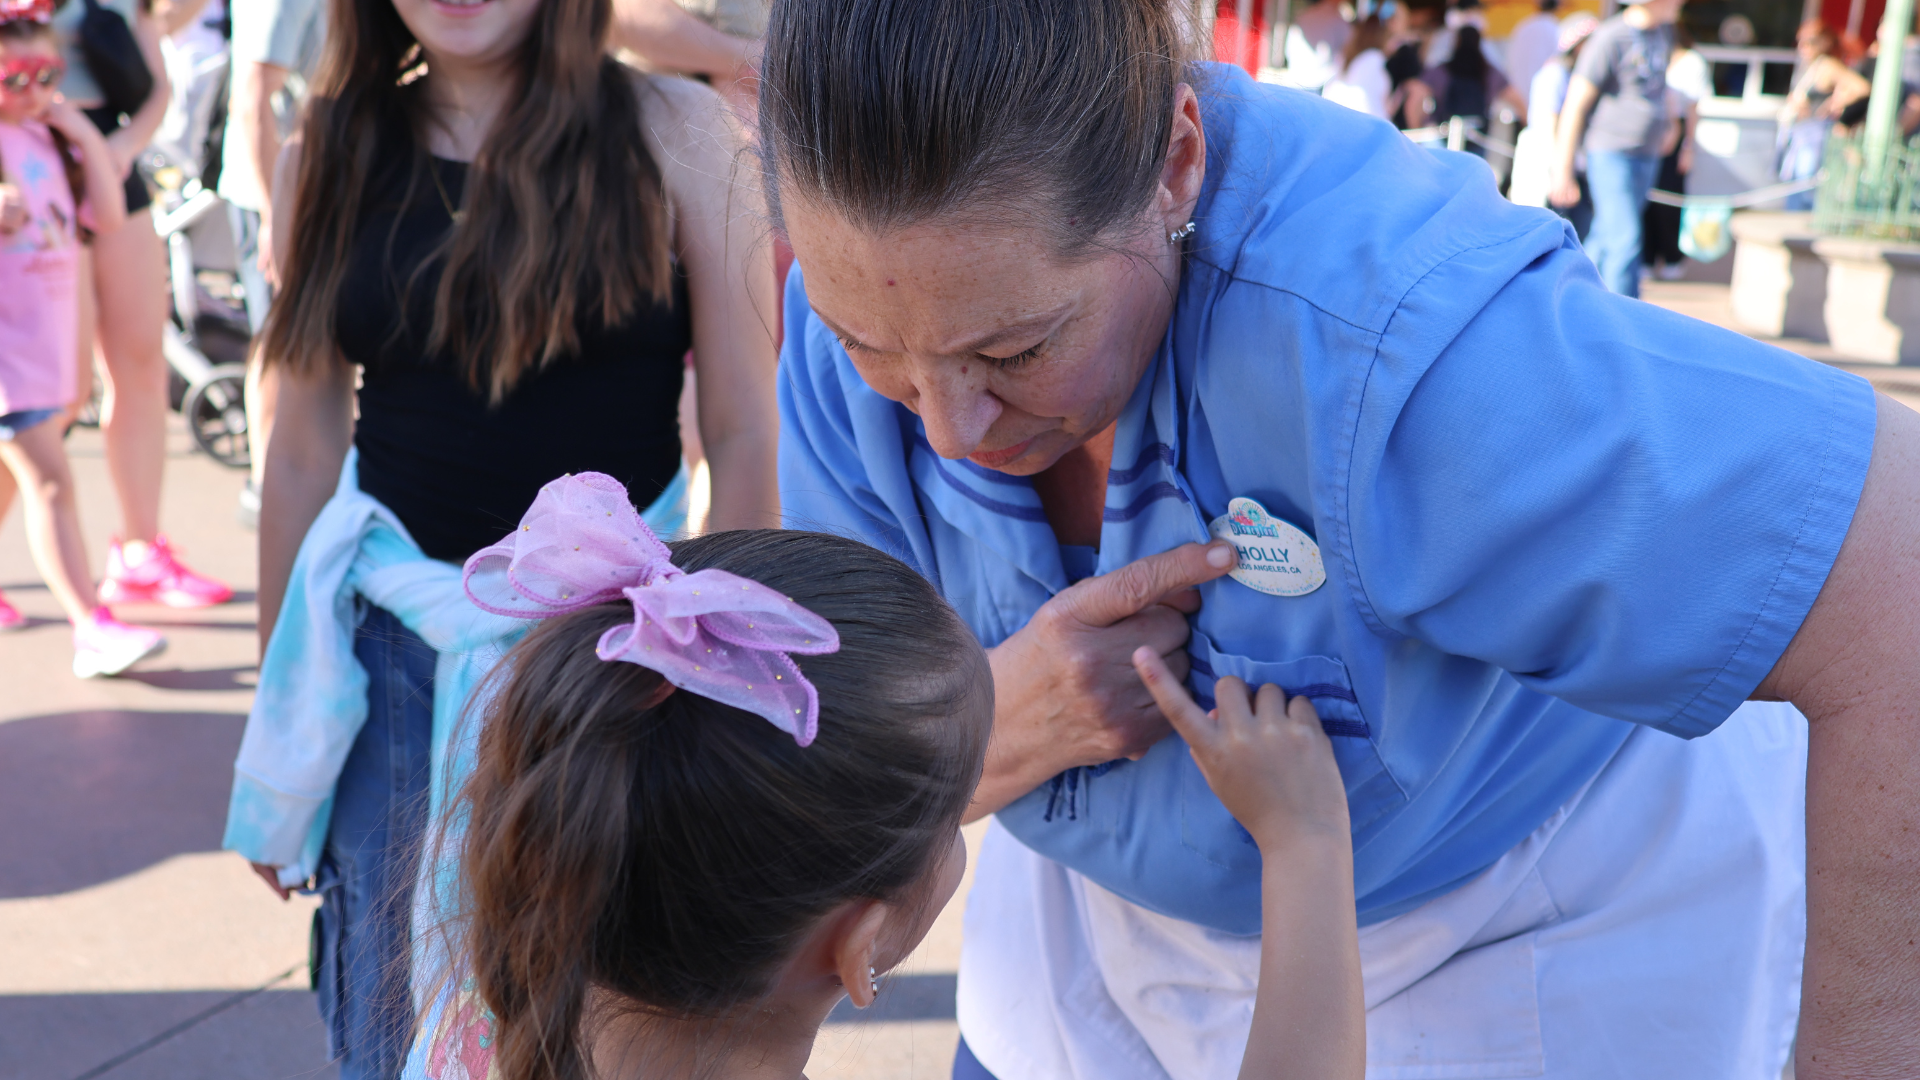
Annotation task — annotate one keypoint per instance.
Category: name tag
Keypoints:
(1275, 558)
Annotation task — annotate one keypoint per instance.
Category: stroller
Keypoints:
(208, 334)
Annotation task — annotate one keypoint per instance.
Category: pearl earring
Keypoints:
(1182, 232)
(873, 982)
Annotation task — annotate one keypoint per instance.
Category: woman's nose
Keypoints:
(956, 414)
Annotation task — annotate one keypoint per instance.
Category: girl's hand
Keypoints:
(1265, 757)
(69, 121)
(13, 209)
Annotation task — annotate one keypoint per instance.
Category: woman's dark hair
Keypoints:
(1467, 61)
(76, 173)
(1055, 113)
(565, 210)
(630, 838)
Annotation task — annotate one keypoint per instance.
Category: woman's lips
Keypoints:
(994, 459)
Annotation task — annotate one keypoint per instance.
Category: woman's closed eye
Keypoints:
(1024, 356)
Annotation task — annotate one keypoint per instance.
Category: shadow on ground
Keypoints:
(95, 795)
(902, 998)
(265, 1035)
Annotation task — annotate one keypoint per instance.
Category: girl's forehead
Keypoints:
(37, 45)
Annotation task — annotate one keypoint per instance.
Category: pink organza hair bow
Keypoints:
(710, 632)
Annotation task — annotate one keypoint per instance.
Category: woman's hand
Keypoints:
(271, 875)
(1065, 691)
(1266, 758)
(1565, 190)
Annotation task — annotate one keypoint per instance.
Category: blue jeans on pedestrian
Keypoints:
(1619, 183)
(360, 936)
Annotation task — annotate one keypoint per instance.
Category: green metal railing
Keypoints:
(1857, 199)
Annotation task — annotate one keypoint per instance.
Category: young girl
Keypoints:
(46, 196)
(721, 787)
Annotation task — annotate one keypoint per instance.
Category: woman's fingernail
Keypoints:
(1220, 556)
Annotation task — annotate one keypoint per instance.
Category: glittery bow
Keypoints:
(710, 632)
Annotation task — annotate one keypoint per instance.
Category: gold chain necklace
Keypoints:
(458, 216)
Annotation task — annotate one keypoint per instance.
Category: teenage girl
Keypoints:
(56, 173)
(496, 245)
(676, 869)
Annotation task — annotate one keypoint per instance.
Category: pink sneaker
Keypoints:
(160, 579)
(10, 617)
(103, 645)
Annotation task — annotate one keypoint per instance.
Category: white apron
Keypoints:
(1652, 929)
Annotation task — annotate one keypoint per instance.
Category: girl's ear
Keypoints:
(855, 948)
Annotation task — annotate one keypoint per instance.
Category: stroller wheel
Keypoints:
(216, 415)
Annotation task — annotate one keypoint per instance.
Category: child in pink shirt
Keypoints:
(58, 183)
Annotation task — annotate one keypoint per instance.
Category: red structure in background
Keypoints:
(1856, 21)
(1246, 46)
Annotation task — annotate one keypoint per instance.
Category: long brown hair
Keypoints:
(565, 210)
(627, 838)
(1368, 33)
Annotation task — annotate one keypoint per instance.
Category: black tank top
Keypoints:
(458, 472)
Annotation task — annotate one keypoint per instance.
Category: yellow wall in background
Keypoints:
(1504, 15)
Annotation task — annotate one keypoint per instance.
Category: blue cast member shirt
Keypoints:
(1545, 512)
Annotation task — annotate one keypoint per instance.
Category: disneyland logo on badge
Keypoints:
(1250, 521)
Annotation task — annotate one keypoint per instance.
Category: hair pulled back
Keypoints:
(1056, 113)
(626, 837)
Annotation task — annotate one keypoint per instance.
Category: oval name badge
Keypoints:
(1275, 558)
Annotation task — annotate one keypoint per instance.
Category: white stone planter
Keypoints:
(1862, 296)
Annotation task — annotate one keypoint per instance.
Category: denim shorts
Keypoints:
(14, 423)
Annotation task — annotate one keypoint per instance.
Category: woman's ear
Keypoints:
(855, 950)
(1186, 166)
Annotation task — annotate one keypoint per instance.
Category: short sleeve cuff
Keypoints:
(1841, 432)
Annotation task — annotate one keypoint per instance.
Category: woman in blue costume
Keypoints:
(1118, 349)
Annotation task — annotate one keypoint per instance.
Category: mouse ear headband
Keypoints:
(37, 11)
(710, 632)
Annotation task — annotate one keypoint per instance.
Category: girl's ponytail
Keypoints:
(632, 845)
(547, 846)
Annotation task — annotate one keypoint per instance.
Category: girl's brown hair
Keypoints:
(565, 211)
(76, 173)
(627, 839)
(892, 112)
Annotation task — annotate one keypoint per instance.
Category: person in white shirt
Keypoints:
(1362, 83)
(1534, 42)
(1314, 43)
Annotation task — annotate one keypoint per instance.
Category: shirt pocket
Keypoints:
(1372, 792)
